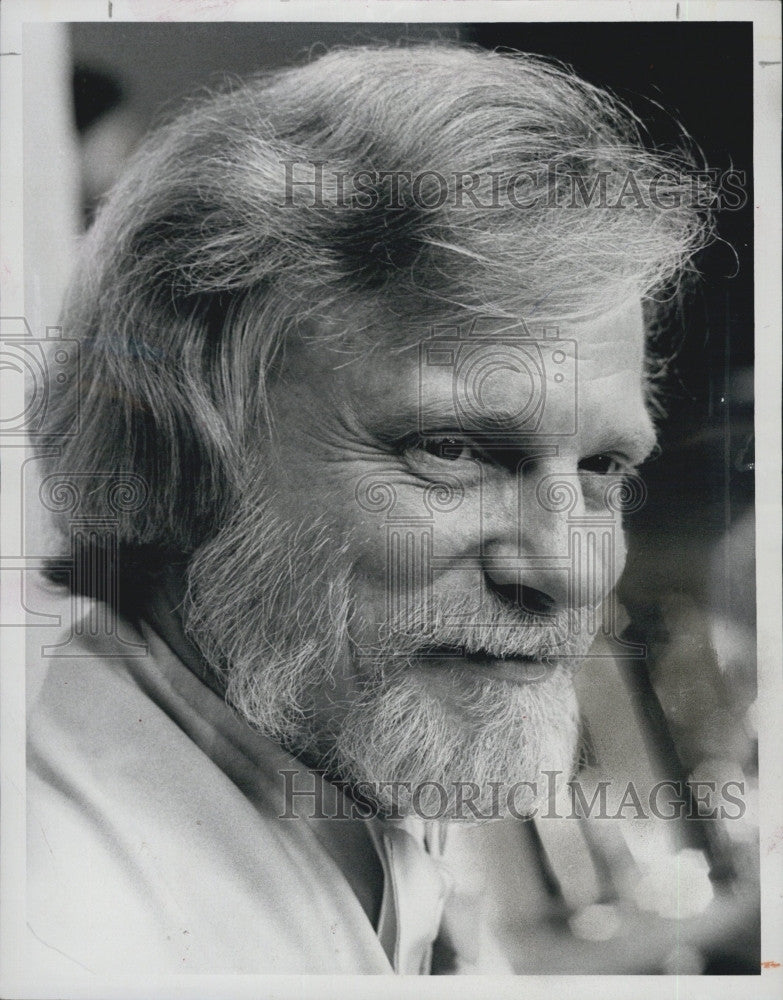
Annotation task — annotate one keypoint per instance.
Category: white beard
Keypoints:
(417, 756)
(272, 609)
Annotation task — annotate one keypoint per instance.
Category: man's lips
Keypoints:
(516, 669)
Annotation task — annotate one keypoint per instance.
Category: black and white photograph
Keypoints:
(391, 534)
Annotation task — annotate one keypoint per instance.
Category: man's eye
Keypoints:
(451, 449)
(602, 465)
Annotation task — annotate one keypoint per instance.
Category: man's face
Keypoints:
(436, 521)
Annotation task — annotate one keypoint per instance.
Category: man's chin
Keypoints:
(448, 744)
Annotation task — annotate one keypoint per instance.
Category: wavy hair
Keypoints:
(200, 263)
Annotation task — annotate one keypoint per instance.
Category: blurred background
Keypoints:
(567, 898)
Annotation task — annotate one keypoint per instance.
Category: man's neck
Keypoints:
(163, 610)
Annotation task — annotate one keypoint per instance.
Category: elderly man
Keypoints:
(367, 337)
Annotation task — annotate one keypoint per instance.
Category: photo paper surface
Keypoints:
(391, 532)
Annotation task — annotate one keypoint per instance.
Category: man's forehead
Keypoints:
(485, 359)
(487, 346)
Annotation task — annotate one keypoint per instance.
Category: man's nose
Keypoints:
(548, 557)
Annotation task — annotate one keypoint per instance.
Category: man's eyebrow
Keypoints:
(636, 444)
(440, 412)
(410, 413)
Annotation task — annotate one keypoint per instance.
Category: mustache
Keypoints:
(491, 627)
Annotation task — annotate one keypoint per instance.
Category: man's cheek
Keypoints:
(621, 553)
(611, 568)
(402, 560)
